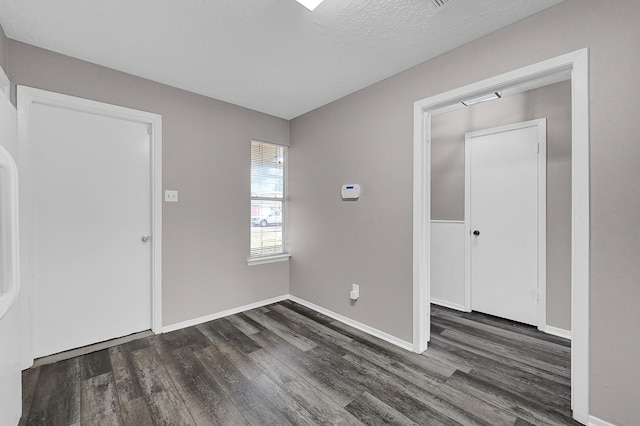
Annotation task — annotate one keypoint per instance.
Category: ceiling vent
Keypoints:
(436, 5)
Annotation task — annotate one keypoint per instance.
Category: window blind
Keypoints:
(268, 166)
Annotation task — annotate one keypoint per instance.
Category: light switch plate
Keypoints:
(170, 196)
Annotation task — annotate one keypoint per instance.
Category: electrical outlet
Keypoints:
(355, 292)
(170, 196)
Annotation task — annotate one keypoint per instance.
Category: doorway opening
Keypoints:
(572, 67)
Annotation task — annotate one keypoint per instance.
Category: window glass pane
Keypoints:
(267, 170)
(266, 228)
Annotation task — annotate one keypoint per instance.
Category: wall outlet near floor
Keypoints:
(355, 292)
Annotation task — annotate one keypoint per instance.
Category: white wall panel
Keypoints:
(447, 263)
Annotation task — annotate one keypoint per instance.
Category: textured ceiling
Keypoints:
(272, 56)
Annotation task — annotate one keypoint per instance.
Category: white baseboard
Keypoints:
(555, 331)
(451, 305)
(348, 321)
(594, 421)
(211, 317)
(355, 324)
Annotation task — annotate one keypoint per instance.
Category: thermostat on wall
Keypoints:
(350, 191)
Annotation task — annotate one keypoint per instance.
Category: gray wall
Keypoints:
(367, 138)
(206, 157)
(447, 175)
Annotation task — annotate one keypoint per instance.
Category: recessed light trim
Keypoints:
(310, 4)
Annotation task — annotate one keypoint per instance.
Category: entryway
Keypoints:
(505, 210)
(573, 67)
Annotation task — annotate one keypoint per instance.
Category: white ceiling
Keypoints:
(272, 56)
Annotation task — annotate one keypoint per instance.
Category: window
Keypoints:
(268, 195)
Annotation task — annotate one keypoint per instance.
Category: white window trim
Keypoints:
(283, 257)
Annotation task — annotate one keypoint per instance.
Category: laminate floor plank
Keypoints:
(505, 351)
(502, 323)
(29, 382)
(243, 325)
(286, 364)
(516, 380)
(392, 351)
(95, 364)
(205, 398)
(315, 316)
(316, 338)
(326, 334)
(288, 406)
(524, 408)
(56, 398)
(512, 335)
(324, 410)
(502, 354)
(421, 377)
(526, 347)
(136, 412)
(189, 337)
(371, 411)
(313, 371)
(98, 396)
(166, 407)
(241, 341)
(254, 406)
(413, 401)
(233, 354)
(286, 333)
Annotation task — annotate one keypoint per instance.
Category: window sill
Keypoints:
(268, 259)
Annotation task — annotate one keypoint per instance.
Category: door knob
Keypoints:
(145, 238)
(476, 232)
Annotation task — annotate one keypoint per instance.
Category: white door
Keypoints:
(10, 376)
(91, 190)
(504, 210)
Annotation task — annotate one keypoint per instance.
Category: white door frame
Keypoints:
(28, 96)
(541, 124)
(578, 64)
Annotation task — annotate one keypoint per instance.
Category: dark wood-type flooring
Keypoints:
(286, 364)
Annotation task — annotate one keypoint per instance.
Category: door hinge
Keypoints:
(538, 149)
(149, 130)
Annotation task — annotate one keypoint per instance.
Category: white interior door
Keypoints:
(91, 189)
(504, 205)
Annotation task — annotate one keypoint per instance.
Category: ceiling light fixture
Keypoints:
(310, 4)
(491, 97)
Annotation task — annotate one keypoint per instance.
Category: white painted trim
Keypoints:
(555, 331)
(5, 84)
(355, 324)
(268, 259)
(222, 314)
(26, 96)
(578, 63)
(541, 125)
(9, 229)
(459, 222)
(594, 421)
(421, 232)
(348, 321)
(450, 305)
(580, 236)
(542, 222)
